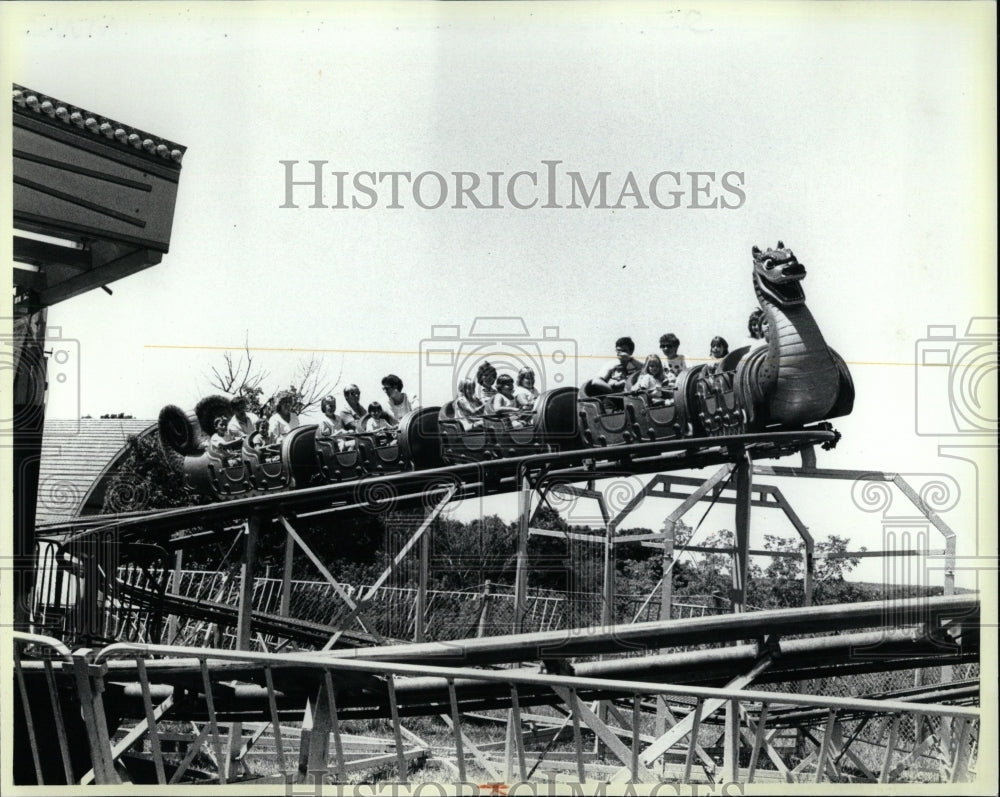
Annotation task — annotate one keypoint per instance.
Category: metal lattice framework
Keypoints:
(673, 698)
(269, 688)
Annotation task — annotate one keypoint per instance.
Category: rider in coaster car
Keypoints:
(378, 419)
(504, 402)
(669, 344)
(757, 326)
(225, 449)
(616, 378)
(468, 409)
(399, 402)
(350, 416)
(717, 349)
(332, 425)
(282, 420)
(525, 392)
(243, 423)
(486, 375)
(655, 382)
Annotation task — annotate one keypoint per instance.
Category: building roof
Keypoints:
(77, 456)
(94, 199)
(80, 120)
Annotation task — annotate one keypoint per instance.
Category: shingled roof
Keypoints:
(76, 456)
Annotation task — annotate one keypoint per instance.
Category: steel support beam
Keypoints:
(397, 560)
(356, 612)
(683, 728)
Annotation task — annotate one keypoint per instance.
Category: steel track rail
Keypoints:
(498, 476)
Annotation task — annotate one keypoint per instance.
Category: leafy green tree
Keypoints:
(780, 583)
(703, 574)
(465, 555)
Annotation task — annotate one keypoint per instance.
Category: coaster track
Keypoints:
(469, 480)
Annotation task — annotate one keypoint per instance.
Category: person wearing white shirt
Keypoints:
(525, 392)
(399, 402)
(282, 421)
(243, 423)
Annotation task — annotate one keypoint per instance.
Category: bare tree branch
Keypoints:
(242, 375)
(238, 376)
(310, 382)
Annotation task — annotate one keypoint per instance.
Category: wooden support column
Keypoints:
(608, 610)
(317, 760)
(520, 604)
(484, 610)
(808, 574)
(90, 684)
(666, 608)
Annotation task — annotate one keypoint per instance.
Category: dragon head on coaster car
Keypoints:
(778, 274)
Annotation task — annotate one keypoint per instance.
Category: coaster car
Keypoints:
(221, 473)
(606, 421)
(339, 458)
(653, 419)
(207, 470)
(290, 463)
(718, 399)
(461, 441)
(551, 425)
(419, 439)
(379, 451)
(612, 419)
(254, 468)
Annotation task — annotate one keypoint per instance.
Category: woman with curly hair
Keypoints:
(756, 327)
(669, 344)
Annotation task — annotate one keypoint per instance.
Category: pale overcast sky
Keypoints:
(863, 136)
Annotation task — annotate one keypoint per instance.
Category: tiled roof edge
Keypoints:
(101, 127)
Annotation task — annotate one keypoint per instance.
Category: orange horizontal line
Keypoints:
(299, 350)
